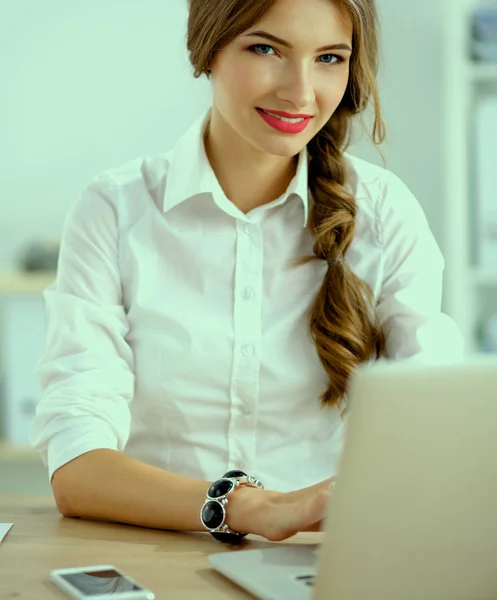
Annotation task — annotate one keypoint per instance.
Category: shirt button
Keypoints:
(247, 349)
(246, 410)
(248, 293)
(247, 229)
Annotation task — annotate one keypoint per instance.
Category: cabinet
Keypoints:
(470, 290)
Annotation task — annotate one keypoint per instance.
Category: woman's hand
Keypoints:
(278, 516)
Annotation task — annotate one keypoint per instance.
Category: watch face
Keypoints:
(212, 515)
(221, 487)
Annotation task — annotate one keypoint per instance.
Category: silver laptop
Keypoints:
(414, 514)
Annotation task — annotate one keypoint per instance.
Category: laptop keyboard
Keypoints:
(308, 580)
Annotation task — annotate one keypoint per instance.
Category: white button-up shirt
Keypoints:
(178, 329)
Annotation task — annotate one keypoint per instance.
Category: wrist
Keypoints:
(245, 508)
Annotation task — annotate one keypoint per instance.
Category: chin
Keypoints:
(284, 149)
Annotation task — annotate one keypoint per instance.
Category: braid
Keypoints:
(343, 322)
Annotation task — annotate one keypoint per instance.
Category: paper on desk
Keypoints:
(4, 529)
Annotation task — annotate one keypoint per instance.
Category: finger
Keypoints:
(310, 513)
(322, 486)
(287, 519)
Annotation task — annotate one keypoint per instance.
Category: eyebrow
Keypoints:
(277, 40)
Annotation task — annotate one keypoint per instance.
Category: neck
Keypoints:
(241, 169)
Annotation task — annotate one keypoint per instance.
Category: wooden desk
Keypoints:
(173, 565)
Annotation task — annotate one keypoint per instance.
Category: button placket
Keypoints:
(247, 326)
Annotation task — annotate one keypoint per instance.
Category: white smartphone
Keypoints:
(101, 582)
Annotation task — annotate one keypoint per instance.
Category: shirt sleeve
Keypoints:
(86, 369)
(410, 302)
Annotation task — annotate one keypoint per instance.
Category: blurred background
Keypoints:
(89, 86)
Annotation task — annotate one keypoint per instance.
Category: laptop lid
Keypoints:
(414, 514)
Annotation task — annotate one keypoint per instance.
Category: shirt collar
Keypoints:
(191, 174)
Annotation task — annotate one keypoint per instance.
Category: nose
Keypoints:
(297, 87)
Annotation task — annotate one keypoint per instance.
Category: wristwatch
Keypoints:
(213, 512)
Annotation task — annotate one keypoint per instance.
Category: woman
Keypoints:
(211, 303)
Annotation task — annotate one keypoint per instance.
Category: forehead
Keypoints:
(308, 19)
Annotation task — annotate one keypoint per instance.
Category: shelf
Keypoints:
(18, 453)
(16, 282)
(483, 72)
(484, 277)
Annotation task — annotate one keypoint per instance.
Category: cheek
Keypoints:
(249, 79)
(233, 83)
(332, 92)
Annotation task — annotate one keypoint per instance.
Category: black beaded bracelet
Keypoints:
(213, 513)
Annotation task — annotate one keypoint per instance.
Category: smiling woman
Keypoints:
(211, 303)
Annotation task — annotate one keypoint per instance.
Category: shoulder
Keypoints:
(145, 173)
(127, 188)
(380, 186)
(384, 201)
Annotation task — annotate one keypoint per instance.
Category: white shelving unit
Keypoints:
(470, 291)
(18, 292)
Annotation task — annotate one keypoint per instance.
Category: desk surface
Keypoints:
(171, 564)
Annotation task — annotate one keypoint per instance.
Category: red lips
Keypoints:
(288, 115)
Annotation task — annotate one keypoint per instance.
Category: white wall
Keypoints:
(87, 86)
(412, 88)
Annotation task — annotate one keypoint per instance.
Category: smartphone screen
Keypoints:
(99, 583)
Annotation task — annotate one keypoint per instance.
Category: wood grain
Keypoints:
(171, 564)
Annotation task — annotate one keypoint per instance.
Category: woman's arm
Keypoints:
(111, 486)
(108, 485)
(86, 372)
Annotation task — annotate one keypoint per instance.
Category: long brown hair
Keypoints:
(343, 321)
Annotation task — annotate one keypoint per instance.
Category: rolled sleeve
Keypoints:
(410, 304)
(86, 370)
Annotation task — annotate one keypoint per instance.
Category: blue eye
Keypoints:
(338, 58)
(261, 46)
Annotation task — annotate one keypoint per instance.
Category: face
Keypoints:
(297, 74)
